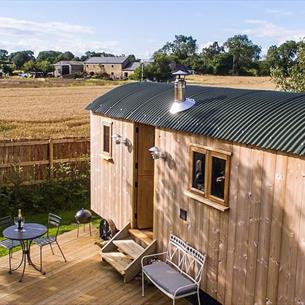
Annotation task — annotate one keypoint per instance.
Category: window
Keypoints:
(112, 66)
(209, 175)
(106, 139)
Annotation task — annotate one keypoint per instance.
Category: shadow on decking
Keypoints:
(82, 280)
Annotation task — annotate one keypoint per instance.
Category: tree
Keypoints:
(7, 69)
(65, 56)
(21, 57)
(282, 57)
(244, 53)
(89, 54)
(3, 55)
(158, 70)
(29, 66)
(292, 79)
(212, 50)
(182, 47)
(50, 56)
(44, 66)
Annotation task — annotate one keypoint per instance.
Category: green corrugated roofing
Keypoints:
(267, 119)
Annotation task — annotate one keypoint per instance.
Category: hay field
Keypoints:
(39, 113)
(55, 108)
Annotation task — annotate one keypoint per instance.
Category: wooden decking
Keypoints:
(83, 280)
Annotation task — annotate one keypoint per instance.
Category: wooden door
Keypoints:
(144, 176)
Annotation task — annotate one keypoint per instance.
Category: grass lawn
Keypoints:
(68, 224)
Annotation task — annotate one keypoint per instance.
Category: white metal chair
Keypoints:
(8, 243)
(53, 221)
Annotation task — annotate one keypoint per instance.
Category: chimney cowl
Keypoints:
(181, 103)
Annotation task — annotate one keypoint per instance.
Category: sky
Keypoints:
(142, 27)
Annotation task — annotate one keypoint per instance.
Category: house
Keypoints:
(68, 67)
(227, 176)
(130, 68)
(110, 65)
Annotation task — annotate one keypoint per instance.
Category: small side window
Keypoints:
(218, 177)
(106, 139)
(198, 170)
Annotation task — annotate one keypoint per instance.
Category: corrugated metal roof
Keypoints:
(267, 119)
(106, 60)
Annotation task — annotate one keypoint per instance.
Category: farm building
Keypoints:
(67, 67)
(110, 65)
(228, 177)
(130, 68)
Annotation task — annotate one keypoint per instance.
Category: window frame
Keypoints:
(191, 188)
(216, 199)
(209, 154)
(106, 155)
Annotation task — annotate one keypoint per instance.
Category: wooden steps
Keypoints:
(143, 237)
(129, 247)
(126, 249)
(117, 260)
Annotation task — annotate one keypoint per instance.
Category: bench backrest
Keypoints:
(185, 258)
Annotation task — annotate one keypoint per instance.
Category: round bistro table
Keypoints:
(26, 236)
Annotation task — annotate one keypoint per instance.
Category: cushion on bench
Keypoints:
(168, 278)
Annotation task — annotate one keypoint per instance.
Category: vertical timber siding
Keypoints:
(111, 180)
(256, 250)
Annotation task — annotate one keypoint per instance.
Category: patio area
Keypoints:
(84, 279)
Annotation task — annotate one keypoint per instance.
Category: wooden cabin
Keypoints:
(228, 177)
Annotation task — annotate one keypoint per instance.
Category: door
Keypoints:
(144, 179)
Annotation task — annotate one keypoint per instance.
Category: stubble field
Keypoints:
(43, 113)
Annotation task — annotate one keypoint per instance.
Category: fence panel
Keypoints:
(32, 161)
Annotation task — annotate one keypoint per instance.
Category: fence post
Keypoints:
(51, 158)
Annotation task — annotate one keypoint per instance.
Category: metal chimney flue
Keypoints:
(181, 102)
(179, 89)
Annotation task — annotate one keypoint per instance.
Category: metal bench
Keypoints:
(176, 272)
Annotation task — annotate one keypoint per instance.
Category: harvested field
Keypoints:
(54, 112)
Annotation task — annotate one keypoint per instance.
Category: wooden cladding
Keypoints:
(209, 173)
(256, 249)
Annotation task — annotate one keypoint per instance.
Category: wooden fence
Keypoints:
(34, 160)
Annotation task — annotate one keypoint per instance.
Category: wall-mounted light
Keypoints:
(157, 154)
(119, 140)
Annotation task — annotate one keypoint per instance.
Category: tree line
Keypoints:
(26, 61)
(238, 55)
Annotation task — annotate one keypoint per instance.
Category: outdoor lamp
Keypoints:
(156, 153)
(119, 140)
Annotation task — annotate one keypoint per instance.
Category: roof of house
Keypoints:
(267, 119)
(106, 60)
(69, 62)
(132, 66)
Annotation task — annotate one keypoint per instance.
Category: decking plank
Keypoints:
(83, 280)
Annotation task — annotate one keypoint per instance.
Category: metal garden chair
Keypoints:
(8, 243)
(53, 221)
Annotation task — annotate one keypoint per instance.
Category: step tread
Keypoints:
(129, 247)
(117, 260)
(145, 237)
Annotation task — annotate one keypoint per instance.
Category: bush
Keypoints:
(69, 190)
